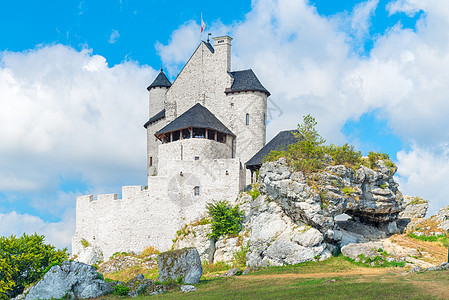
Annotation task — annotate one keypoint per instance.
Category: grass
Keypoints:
(335, 278)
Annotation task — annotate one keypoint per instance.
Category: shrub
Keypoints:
(226, 220)
(121, 290)
(85, 243)
(344, 155)
(24, 260)
(240, 256)
(254, 192)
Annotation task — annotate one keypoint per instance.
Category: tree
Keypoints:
(24, 260)
(308, 132)
(226, 220)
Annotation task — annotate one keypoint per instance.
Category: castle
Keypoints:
(202, 129)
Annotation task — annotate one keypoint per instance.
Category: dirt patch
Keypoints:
(431, 252)
(365, 272)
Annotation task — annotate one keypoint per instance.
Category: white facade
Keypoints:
(183, 174)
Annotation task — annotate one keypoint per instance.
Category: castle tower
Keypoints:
(157, 99)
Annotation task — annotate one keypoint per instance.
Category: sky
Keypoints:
(73, 99)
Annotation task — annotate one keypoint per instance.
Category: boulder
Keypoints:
(415, 208)
(369, 249)
(73, 279)
(371, 196)
(184, 263)
(276, 240)
(188, 288)
(89, 255)
(232, 272)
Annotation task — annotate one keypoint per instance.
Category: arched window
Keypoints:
(196, 191)
(247, 119)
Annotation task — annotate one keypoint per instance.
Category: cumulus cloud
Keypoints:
(57, 233)
(66, 114)
(425, 173)
(310, 64)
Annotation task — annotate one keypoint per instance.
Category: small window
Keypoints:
(196, 191)
(197, 158)
(264, 119)
(247, 119)
(151, 161)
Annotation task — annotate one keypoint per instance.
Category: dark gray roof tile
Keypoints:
(155, 118)
(160, 81)
(280, 142)
(197, 116)
(244, 81)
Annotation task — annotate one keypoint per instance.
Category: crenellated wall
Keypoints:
(151, 217)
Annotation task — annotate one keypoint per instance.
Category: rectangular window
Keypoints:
(151, 161)
(197, 158)
(247, 119)
(196, 191)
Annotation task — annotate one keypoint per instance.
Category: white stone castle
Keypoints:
(201, 132)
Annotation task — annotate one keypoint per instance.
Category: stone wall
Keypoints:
(151, 217)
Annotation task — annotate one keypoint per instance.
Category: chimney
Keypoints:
(222, 48)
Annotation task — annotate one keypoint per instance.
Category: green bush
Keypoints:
(240, 256)
(226, 220)
(121, 290)
(25, 260)
(308, 153)
(85, 243)
(254, 192)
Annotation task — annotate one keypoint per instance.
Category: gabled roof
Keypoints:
(160, 81)
(244, 81)
(197, 116)
(280, 142)
(209, 46)
(155, 118)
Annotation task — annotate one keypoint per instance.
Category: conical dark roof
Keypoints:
(246, 80)
(160, 81)
(197, 116)
(280, 142)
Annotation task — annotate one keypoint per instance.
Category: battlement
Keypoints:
(128, 192)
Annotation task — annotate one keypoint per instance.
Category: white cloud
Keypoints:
(115, 35)
(66, 113)
(424, 173)
(58, 234)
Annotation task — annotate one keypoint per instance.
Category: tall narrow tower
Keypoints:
(157, 99)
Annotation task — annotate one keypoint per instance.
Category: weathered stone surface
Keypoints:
(371, 196)
(188, 288)
(71, 278)
(443, 218)
(121, 262)
(89, 255)
(415, 208)
(369, 249)
(276, 240)
(184, 263)
(232, 272)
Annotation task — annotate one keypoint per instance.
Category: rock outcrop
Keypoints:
(184, 263)
(415, 208)
(71, 279)
(89, 255)
(293, 218)
(368, 195)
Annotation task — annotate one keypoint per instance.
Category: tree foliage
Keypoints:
(226, 220)
(310, 154)
(24, 260)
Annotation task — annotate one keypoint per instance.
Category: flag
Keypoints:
(203, 25)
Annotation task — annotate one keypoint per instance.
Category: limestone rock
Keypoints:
(184, 263)
(188, 288)
(443, 218)
(415, 208)
(232, 272)
(276, 240)
(369, 249)
(371, 196)
(89, 255)
(75, 279)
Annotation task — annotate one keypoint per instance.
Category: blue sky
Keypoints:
(73, 99)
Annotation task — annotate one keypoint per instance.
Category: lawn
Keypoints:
(335, 278)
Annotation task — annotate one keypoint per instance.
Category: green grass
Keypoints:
(335, 278)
